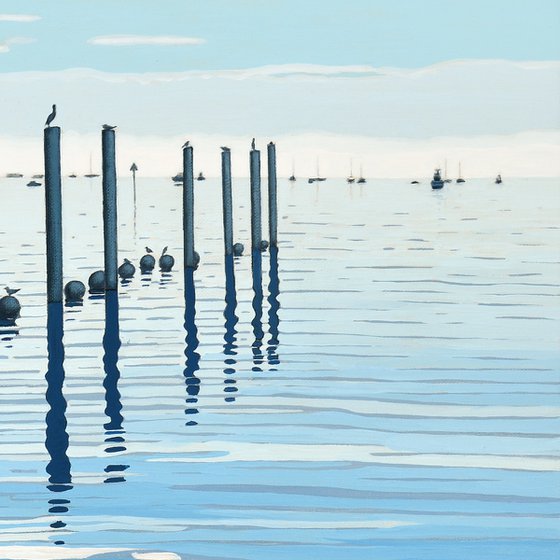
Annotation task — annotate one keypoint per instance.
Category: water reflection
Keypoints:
(114, 432)
(230, 335)
(257, 303)
(56, 440)
(274, 305)
(191, 345)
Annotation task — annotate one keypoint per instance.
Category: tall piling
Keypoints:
(272, 196)
(110, 209)
(188, 208)
(227, 202)
(53, 214)
(256, 228)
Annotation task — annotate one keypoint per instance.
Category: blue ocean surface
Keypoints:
(388, 391)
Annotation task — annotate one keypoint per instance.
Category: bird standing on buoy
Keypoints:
(186, 144)
(253, 144)
(148, 250)
(225, 149)
(109, 127)
(51, 117)
(11, 291)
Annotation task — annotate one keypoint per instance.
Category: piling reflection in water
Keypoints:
(56, 440)
(114, 432)
(230, 335)
(274, 305)
(257, 304)
(191, 345)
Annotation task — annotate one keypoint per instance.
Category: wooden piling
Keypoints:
(53, 214)
(227, 202)
(256, 230)
(272, 196)
(110, 209)
(188, 208)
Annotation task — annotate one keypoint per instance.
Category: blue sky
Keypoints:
(251, 33)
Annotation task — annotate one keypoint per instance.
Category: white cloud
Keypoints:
(5, 45)
(19, 18)
(135, 40)
(398, 122)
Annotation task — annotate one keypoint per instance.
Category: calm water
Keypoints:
(391, 391)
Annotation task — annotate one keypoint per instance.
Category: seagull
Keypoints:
(11, 291)
(126, 261)
(225, 148)
(51, 117)
(253, 144)
(109, 127)
(148, 250)
(164, 251)
(271, 143)
(186, 144)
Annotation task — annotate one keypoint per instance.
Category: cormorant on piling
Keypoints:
(148, 250)
(109, 127)
(225, 149)
(186, 144)
(51, 117)
(11, 291)
(253, 144)
(164, 250)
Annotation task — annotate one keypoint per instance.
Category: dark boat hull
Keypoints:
(436, 185)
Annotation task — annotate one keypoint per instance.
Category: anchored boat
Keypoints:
(437, 181)
(460, 177)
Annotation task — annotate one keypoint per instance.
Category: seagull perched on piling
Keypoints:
(11, 291)
(148, 250)
(225, 149)
(51, 117)
(186, 144)
(253, 144)
(109, 127)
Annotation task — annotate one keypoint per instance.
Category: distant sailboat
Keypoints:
(498, 179)
(460, 178)
(437, 181)
(318, 176)
(91, 173)
(361, 178)
(33, 184)
(177, 178)
(293, 175)
(350, 178)
(445, 179)
(201, 177)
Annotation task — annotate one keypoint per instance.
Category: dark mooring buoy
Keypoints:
(74, 291)
(166, 262)
(127, 269)
(96, 282)
(147, 263)
(238, 249)
(9, 308)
